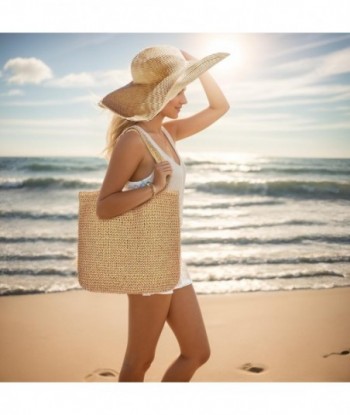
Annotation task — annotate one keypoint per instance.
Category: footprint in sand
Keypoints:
(253, 368)
(102, 375)
(343, 353)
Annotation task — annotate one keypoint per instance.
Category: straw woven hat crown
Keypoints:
(159, 73)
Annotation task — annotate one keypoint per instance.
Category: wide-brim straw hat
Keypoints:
(159, 73)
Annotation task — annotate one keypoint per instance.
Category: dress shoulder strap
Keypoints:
(169, 136)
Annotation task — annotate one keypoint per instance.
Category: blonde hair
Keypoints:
(116, 126)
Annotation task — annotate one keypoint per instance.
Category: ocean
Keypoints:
(249, 224)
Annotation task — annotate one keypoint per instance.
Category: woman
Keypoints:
(160, 75)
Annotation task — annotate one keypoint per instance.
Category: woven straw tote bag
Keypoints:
(134, 253)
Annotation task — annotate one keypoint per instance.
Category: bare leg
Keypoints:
(185, 319)
(147, 316)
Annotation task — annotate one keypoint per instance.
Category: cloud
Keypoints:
(282, 122)
(110, 78)
(47, 122)
(92, 126)
(92, 99)
(311, 103)
(310, 45)
(34, 71)
(335, 63)
(12, 93)
(302, 81)
(73, 80)
(27, 71)
(317, 68)
(113, 78)
(82, 41)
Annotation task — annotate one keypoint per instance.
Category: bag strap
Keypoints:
(154, 152)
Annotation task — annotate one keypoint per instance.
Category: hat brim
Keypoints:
(142, 102)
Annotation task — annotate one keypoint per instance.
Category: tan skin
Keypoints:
(130, 160)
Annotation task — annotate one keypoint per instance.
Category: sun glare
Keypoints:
(213, 43)
(226, 45)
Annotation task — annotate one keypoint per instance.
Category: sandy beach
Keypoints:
(297, 336)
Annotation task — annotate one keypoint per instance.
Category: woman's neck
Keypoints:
(154, 126)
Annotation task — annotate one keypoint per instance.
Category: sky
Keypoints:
(289, 93)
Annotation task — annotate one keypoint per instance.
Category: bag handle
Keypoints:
(154, 152)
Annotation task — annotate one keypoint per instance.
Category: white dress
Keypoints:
(176, 182)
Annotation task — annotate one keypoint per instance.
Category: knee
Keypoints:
(204, 355)
(138, 363)
(200, 356)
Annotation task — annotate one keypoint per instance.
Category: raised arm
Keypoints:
(217, 107)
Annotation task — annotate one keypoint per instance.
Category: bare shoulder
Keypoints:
(130, 140)
(126, 155)
(129, 145)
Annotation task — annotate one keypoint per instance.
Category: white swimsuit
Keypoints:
(176, 182)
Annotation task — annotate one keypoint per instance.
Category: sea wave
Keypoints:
(24, 239)
(56, 257)
(319, 167)
(18, 214)
(256, 225)
(335, 239)
(39, 287)
(278, 171)
(191, 240)
(48, 183)
(293, 275)
(226, 287)
(279, 188)
(6, 290)
(47, 164)
(38, 272)
(193, 162)
(212, 284)
(304, 170)
(226, 205)
(280, 275)
(210, 262)
(62, 168)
